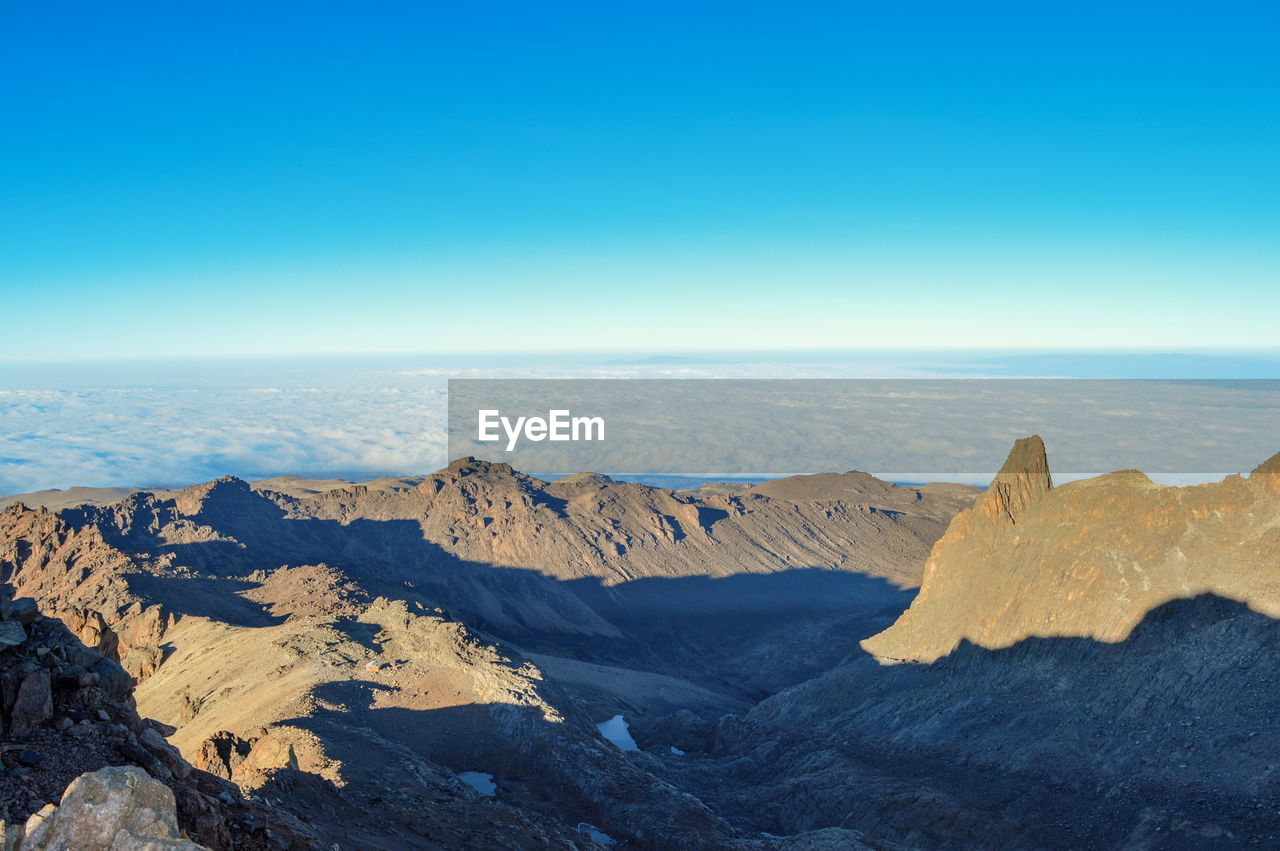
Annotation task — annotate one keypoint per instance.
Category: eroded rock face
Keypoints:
(112, 809)
(222, 753)
(1088, 559)
(78, 576)
(1021, 482)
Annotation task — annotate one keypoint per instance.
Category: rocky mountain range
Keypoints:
(823, 661)
(354, 650)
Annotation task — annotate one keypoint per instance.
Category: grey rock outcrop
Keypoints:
(119, 808)
(170, 756)
(23, 610)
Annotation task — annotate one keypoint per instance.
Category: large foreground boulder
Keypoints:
(120, 808)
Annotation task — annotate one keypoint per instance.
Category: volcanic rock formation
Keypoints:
(419, 662)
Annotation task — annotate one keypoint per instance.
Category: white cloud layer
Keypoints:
(173, 424)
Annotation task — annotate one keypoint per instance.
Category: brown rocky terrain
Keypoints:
(67, 710)
(1090, 665)
(581, 567)
(1094, 665)
(347, 653)
(1088, 559)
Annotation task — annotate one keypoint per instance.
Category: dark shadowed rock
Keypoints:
(114, 681)
(24, 610)
(1127, 743)
(11, 634)
(33, 704)
(165, 752)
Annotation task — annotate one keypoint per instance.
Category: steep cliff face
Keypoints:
(1088, 559)
(1022, 480)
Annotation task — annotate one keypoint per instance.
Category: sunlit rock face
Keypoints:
(1088, 559)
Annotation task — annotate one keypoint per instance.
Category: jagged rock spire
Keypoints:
(1022, 480)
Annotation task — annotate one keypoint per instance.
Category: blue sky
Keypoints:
(292, 178)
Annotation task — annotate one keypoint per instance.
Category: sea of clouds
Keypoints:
(170, 424)
(166, 425)
(151, 437)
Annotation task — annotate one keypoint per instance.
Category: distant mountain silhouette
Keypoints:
(1154, 366)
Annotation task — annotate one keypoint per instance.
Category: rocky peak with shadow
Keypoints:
(1088, 559)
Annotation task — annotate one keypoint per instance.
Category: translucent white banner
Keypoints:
(915, 429)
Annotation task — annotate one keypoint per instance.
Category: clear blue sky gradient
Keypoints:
(274, 178)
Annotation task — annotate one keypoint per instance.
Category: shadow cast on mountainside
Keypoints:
(216, 599)
(463, 737)
(726, 630)
(746, 635)
(797, 589)
(1158, 627)
(1195, 680)
(362, 634)
(1175, 726)
(384, 749)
